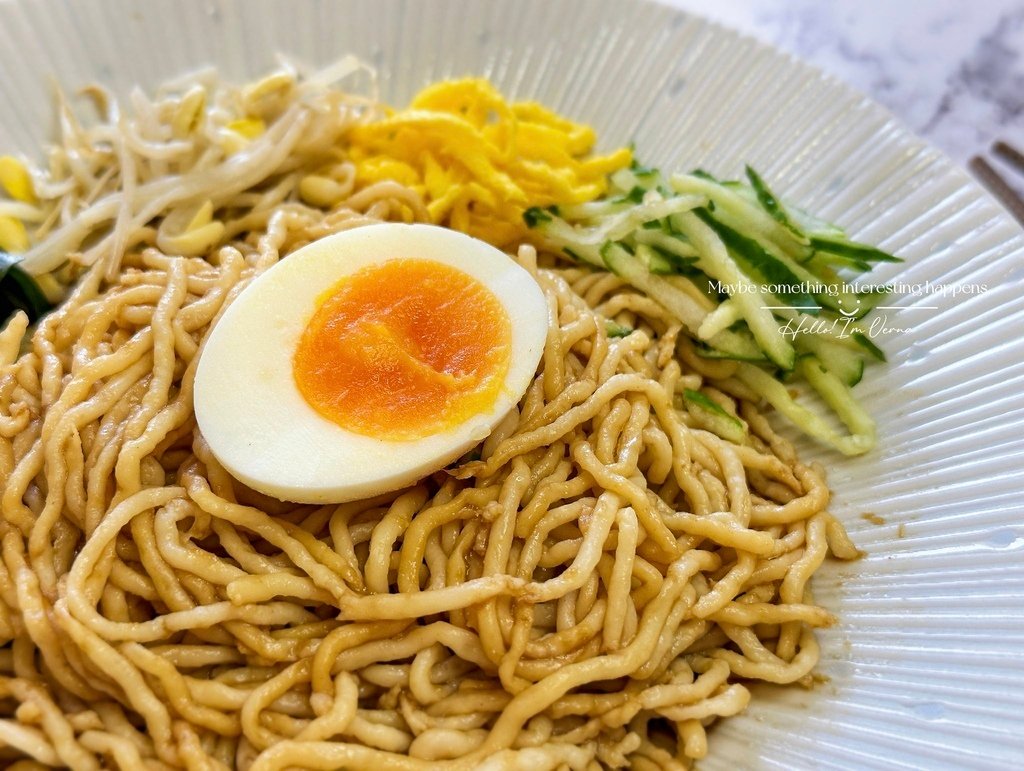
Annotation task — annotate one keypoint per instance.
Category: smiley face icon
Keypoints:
(849, 312)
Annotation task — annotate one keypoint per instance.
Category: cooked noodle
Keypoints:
(592, 590)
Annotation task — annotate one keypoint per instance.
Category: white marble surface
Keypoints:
(952, 70)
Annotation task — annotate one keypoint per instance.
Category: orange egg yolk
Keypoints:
(404, 349)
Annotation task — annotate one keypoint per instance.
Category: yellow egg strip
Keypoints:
(480, 162)
(13, 236)
(15, 180)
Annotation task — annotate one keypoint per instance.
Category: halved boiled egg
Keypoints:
(366, 360)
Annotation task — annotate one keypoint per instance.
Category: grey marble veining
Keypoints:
(951, 70)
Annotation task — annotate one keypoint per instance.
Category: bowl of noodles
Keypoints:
(750, 505)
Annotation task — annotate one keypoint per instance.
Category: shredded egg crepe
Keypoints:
(478, 161)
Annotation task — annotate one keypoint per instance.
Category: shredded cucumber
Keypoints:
(844, 362)
(833, 392)
(716, 262)
(681, 304)
(737, 212)
(711, 416)
(720, 319)
(770, 203)
(758, 262)
(617, 330)
(749, 277)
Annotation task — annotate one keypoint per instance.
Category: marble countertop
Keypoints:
(951, 70)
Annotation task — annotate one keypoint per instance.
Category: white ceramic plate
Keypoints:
(925, 669)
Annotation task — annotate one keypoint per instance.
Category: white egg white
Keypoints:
(263, 431)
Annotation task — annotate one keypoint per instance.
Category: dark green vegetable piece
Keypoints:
(770, 203)
(717, 420)
(640, 170)
(19, 291)
(614, 329)
(707, 403)
(572, 255)
(851, 251)
(534, 216)
(636, 195)
(865, 342)
(705, 175)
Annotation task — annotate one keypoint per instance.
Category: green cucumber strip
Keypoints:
(755, 355)
(770, 203)
(625, 180)
(627, 267)
(834, 293)
(622, 180)
(663, 261)
(706, 402)
(837, 396)
(642, 171)
(851, 250)
(820, 261)
(592, 210)
(710, 415)
(707, 175)
(717, 264)
(832, 391)
(738, 345)
(681, 264)
(814, 226)
(574, 256)
(559, 233)
(621, 225)
(559, 236)
(742, 214)
(584, 253)
(720, 319)
(614, 329)
(843, 362)
(762, 254)
(666, 242)
(865, 342)
(654, 261)
(756, 260)
(679, 303)
(635, 195)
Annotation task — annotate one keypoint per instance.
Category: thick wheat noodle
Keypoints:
(589, 592)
